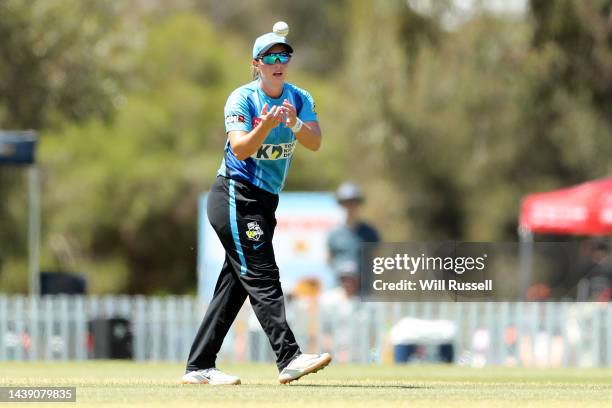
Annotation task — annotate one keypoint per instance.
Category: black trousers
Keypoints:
(242, 215)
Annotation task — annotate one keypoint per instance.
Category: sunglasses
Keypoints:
(270, 59)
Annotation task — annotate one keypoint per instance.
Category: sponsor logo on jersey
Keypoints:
(275, 151)
(234, 119)
(254, 231)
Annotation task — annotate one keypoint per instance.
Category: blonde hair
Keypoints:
(254, 72)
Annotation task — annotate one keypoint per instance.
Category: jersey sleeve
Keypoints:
(236, 112)
(308, 112)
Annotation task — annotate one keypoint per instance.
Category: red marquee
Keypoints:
(585, 209)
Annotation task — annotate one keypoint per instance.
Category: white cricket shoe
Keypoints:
(212, 376)
(302, 365)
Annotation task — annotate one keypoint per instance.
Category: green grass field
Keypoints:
(108, 383)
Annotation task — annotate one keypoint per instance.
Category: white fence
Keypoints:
(528, 334)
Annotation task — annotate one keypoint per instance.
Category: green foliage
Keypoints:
(139, 175)
(318, 28)
(463, 122)
(60, 60)
(446, 125)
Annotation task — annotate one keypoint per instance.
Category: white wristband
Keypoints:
(298, 126)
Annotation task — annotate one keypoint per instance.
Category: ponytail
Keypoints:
(254, 72)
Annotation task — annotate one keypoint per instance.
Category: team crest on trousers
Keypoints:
(254, 231)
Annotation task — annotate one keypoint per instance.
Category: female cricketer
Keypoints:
(263, 121)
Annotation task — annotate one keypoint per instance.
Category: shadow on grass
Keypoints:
(382, 386)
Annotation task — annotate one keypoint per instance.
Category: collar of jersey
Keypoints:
(269, 98)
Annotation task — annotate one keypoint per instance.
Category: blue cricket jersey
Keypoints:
(268, 167)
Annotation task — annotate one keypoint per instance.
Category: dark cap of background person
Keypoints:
(349, 191)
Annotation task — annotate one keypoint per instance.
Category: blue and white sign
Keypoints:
(17, 147)
(300, 241)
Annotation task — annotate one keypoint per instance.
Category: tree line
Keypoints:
(445, 125)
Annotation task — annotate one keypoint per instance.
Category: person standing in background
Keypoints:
(344, 251)
(344, 242)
